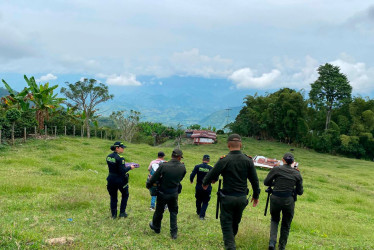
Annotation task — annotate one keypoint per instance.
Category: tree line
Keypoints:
(37, 107)
(330, 120)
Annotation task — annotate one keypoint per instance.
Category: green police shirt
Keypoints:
(235, 169)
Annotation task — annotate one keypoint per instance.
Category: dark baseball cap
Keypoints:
(206, 157)
(234, 137)
(161, 154)
(177, 152)
(119, 144)
(288, 156)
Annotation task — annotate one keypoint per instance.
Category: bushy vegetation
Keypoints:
(330, 121)
(57, 188)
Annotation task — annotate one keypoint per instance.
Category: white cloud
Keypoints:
(362, 21)
(123, 80)
(192, 63)
(47, 78)
(361, 77)
(308, 74)
(245, 79)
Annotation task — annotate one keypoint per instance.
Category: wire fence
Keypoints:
(10, 137)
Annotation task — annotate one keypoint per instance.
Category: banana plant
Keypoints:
(20, 100)
(44, 101)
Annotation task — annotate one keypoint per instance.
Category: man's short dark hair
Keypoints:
(289, 158)
(176, 153)
(234, 137)
(161, 154)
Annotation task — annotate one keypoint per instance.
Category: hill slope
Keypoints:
(57, 188)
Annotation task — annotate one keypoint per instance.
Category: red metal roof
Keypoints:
(204, 134)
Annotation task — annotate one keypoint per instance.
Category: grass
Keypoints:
(57, 188)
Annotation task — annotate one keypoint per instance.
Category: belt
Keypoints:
(113, 174)
(236, 194)
(169, 190)
(282, 194)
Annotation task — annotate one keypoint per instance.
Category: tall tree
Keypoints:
(86, 95)
(126, 122)
(331, 90)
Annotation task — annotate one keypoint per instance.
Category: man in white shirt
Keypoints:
(153, 166)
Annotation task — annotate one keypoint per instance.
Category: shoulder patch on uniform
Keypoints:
(223, 156)
(249, 156)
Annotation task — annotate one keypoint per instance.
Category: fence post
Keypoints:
(45, 130)
(13, 133)
(24, 134)
(65, 130)
(0, 136)
(55, 131)
(35, 131)
(74, 130)
(101, 134)
(95, 132)
(82, 132)
(106, 135)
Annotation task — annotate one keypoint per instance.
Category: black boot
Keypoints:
(123, 215)
(114, 214)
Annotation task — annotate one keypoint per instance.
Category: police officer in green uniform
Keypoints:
(169, 175)
(235, 169)
(287, 182)
(118, 179)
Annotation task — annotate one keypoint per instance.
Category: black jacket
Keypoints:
(169, 174)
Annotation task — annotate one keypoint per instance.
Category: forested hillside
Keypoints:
(330, 120)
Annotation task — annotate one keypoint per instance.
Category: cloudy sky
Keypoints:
(254, 45)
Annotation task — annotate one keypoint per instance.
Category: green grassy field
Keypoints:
(57, 188)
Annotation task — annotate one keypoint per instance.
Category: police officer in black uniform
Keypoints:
(287, 182)
(202, 196)
(169, 175)
(118, 179)
(235, 169)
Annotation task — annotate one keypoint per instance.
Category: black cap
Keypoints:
(177, 153)
(234, 137)
(206, 157)
(161, 154)
(119, 144)
(288, 156)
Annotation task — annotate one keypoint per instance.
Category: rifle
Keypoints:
(269, 191)
(218, 198)
(294, 195)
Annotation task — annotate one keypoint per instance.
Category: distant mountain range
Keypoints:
(3, 92)
(175, 100)
(220, 118)
(180, 100)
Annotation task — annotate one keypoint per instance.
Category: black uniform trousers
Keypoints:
(232, 208)
(286, 205)
(172, 201)
(202, 200)
(113, 186)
